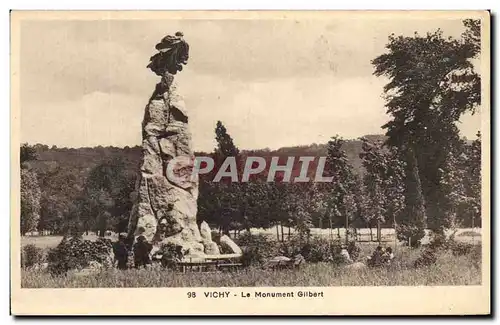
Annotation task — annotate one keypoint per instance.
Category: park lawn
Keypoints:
(53, 241)
(449, 270)
(467, 235)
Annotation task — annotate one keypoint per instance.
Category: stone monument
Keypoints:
(165, 208)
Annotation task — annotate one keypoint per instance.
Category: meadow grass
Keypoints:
(448, 270)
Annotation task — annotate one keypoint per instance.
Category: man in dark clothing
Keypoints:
(376, 258)
(121, 252)
(141, 252)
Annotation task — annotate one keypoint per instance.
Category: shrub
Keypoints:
(439, 241)
(76, 253)
(314, 250)
(428, 257)
(259, 248)
(406, 232)
(256, 248)
(354, 250)
(318, 250)
(252, 256)
(171, 255)
(476, 255)
(459, 249)
(31, 255)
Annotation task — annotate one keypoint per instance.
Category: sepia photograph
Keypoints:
(256, 157)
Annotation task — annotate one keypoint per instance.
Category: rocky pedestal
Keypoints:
(166, 193)
(165, 207)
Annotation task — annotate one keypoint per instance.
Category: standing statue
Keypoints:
(164, 210)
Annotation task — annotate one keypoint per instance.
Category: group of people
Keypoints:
(381, 257)
(141, 250)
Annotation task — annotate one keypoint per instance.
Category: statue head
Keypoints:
(173, 52)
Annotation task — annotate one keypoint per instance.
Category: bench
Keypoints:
(212, 263)
(229, 266)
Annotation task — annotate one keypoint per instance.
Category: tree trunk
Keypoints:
(282, 233)
(102, 226)
(379, 232)
(473, 236)
(395, 233)
(289, 233)
(346, 229)
(371, 233)
(331, 228)
(277, 233)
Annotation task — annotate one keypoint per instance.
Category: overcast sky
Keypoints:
(272, 83)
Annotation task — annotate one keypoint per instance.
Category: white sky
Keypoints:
(272, 83)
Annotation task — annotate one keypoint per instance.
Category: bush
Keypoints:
(31, 255)
(259, 248)
(252, 256)
(76, 253)
(354, 250)
(476, 255)
(406, 232)
(314, 250)
(171, 254)
(439, 241)
(428, 257)
(256, 248)
(319, 250)
(460, 249)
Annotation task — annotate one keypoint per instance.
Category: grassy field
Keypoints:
(449, 270)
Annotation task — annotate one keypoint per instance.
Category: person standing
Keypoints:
(121, 251)
(141, 252)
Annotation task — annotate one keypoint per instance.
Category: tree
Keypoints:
(220, 203)
(383, 183)
(452, 182)
(225, 146)
(395, 186)
(414, 220)
(432, 83)
(474, 183)
(30, 201)
(375, 164)
(339, 193)
(105, 198)
(27, 153)
(470, 212)
(60, 186)
(30, 191)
